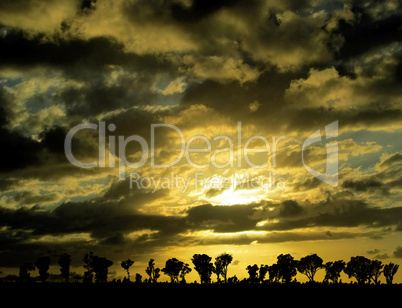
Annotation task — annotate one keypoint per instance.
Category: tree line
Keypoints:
(362, 269)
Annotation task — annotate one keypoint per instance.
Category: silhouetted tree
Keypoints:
(43, 264)
(126, 265)
(375, 271)
(217, 270)
(138, 278)
(286, 267)
(309, 265)
(101, 268)
(359, 267)
(273, 273)
(221, 266)
(76, 277)
(24, 275)
(152, 272)
(390, 271)
(252, 273)
(233, 279)
(10, 278)
(203, 266)
(173, 268)
(88, 265)
(184, 271)
(64, 262)
(333, 270)
(263, 272)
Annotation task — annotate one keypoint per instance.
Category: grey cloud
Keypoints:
(382, 256)
(373, 252)
(364, 185)
(366, 32)
(221, 218)
(307, 184)
(397, 252)
(290, 208)
(354, 214)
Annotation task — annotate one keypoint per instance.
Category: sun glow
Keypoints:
(229, 197)
(219, 190)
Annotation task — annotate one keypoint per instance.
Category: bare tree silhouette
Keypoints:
(126, 265)
(390, 271)
(184, 271)
(375, 271)
(152, 272)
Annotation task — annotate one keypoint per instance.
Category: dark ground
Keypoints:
(134, 295)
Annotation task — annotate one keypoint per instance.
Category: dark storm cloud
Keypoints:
(104, 218)
(87, 4)
(19, 49)
(366, 33)
(199, 9)
(97, 96)
(18, 151)
(52, 139)
(342, 213)
(221, 218)
(90, 61)
(108, 223)
(101, 219)
(234, 99)
(308, 118)
(290, 208)
(23, 152)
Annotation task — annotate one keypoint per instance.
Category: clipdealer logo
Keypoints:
(237, 150)
(239, 155)
(330, 176)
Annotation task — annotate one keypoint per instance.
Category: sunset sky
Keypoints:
(244, 84)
